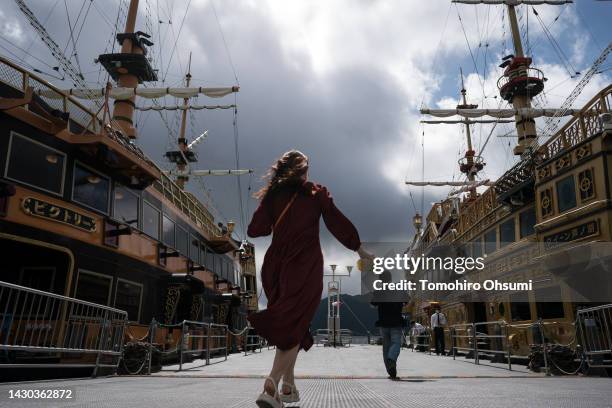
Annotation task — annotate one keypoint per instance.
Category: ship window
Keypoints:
(210, 260)
(35, 164)
(203, 253)
(168, 231)
(125, 208)
(93, 287)
(519, 307)
(506, 232)
(38, 277)
(548, 304)
(194, 254)
(90, 188)
(182, 240)
(527, 220)
(150, 220)
(490, 239)
(128, 297)
(566, 194)
(477, 248)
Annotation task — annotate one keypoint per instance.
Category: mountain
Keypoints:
(362, 312)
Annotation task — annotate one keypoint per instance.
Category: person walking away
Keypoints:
(438, 321)
(292, 272)
(391, 323)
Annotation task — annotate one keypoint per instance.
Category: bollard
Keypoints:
(246, 341)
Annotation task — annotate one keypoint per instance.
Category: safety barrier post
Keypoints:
(544, 352)
(509, 348)
(454, 341)
(246, 341)
(226, 340)
(208, 328)
(182, 342)
(151, 340)
(475, 337)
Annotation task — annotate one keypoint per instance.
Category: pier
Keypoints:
(326, 377)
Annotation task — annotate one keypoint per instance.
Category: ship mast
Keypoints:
(520, 83)
(470, 169)
(182, 141)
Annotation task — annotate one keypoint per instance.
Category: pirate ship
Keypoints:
(85, 214)
(546, 219)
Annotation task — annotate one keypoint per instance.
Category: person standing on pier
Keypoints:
(438, 321)
(292, 272)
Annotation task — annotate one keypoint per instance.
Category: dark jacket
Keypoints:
(390, 314)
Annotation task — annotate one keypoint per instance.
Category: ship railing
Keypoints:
(63, 331)
(421, 341)
(202, 339)
(582, 126)
(20, 79)
(523, 74)
(595, 331)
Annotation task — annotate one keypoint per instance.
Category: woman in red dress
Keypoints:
(292, 271)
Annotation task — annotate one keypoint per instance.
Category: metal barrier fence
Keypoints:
(595, 329)
(492, 339)
(50, 325)
(251, 341)
(421, 341)
(199, 338)
(344, 337)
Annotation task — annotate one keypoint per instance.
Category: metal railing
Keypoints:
(477, 340)
(595, 329)
(34, 322)
(198, 338)
(344, 337)
(421, 341)
(252, 341)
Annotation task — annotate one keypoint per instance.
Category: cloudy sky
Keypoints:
(341, 80)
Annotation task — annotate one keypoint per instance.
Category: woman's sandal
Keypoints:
(293, 396)
(265, 400)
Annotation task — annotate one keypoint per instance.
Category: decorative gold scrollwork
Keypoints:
(173, 295)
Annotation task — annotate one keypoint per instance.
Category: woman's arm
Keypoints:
(261, 223)
(337, 223)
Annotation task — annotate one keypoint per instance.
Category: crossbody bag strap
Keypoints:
(282, 214)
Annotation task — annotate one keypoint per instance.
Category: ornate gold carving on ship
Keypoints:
(544, 173)
(586, 185)
(173, 294)
(583, 152)
(563, 162)
(546, 207)
(196, 307)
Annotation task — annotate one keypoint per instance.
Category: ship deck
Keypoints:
(348, 377)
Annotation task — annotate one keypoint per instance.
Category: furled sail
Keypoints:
(496, 113)
(470, 184)
(183, 107)
(516, 2)
(121, 93)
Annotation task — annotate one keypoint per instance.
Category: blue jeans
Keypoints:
(392, 342)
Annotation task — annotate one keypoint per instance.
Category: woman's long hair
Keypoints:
(289, 170)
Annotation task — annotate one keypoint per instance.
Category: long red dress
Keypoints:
(292, 271)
